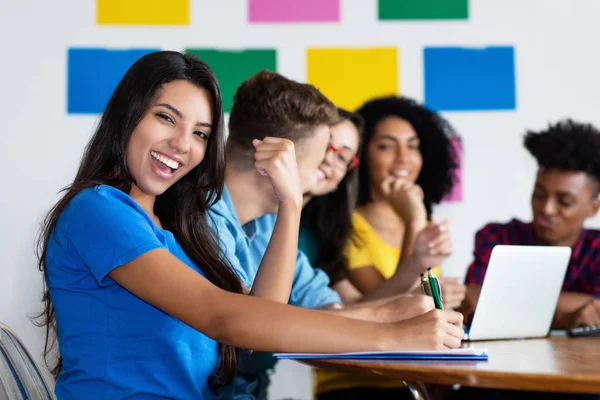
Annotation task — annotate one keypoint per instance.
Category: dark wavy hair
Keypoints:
(440, 160)
(329, 217)
(182, 208)
(568, 146)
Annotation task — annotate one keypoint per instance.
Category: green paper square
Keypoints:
(423, 9)
(233, 67)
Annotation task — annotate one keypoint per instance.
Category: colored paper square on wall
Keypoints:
(462, 79)
(93, 75)
(456, 194)
(349, 77)
(143, 12)
(293, 10)
(423, 9)
(234, 67)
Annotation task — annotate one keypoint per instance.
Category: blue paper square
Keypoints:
(93, 75)
(463, 79)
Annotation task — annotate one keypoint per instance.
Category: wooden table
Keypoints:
(556, 364)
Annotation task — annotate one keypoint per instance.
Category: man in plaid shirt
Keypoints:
(564, 196)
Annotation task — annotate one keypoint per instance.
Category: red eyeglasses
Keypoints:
(344, 158)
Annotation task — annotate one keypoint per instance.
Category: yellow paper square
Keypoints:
(143, 12)
(349, 77)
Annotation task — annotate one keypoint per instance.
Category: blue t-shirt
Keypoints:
(113, 344)
(245, 247)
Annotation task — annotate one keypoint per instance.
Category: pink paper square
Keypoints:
(294, 10)
(456, 193)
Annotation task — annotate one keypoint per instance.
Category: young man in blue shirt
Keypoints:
(257, 219)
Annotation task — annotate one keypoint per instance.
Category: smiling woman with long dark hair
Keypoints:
(139, 293)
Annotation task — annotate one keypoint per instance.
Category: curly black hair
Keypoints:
(440, 161)
(329, 217)
(568, 146)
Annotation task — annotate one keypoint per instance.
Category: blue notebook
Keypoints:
(468, 354)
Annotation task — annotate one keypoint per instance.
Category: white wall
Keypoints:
(556, 64)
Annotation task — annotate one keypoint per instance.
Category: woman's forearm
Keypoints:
(160, 279)
(408, 241)
(401, 282)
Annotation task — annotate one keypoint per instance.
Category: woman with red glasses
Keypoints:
(326, 228)
(327, 215)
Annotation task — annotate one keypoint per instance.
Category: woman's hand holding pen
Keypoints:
(434, 330)
(423, 327)
(276, 159)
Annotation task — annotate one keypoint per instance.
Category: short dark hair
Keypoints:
(440, 160)
(567, 145)
(269, 104)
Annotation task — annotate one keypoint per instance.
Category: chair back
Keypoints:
(20, 377)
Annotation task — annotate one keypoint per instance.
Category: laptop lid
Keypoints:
(520, 291)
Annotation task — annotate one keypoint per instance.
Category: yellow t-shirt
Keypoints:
(370, 250)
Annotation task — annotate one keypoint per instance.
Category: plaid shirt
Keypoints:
(583, 273)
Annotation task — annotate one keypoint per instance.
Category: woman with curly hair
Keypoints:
(407, 165)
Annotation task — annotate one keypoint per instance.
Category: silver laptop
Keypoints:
(519, 292)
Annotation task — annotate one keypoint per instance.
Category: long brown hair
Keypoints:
(182, 208)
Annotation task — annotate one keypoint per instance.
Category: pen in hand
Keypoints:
(425, 288)
(436, 289)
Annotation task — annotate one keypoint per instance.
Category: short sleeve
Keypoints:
(310, 288)
(107, 229)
